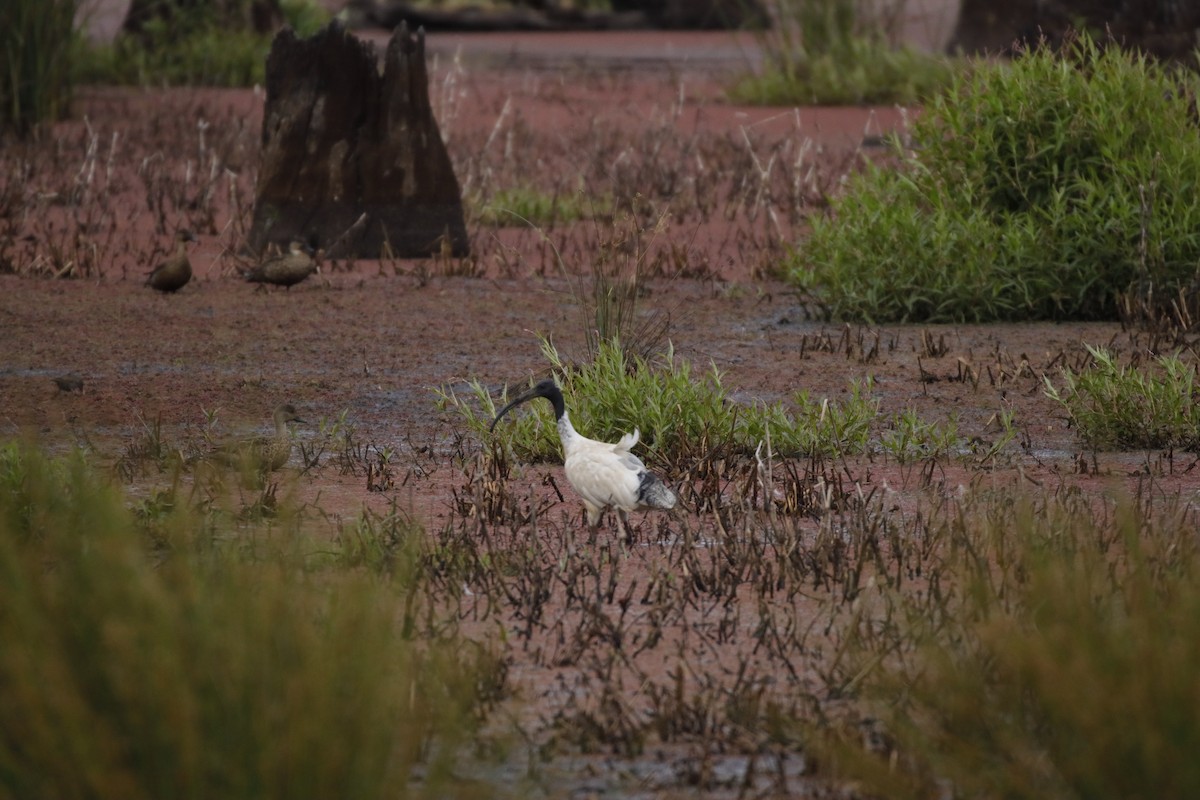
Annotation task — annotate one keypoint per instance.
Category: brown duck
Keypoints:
(261, 453)
(174, 273)
(286, 270)
(69, 383)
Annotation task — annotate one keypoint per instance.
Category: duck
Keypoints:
(286, 270)
(69, 382)
(174, 273)
(604, 474)
(261, 453)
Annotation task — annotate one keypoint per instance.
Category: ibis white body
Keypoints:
(604, 474)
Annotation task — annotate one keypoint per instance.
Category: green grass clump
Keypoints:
(204, 57)
(1062, 666)
(824, 52)
(203, 671)
(679, 416)
(682, 416)
(192, 48)
(1040, 189)
(37, 49)
(1123, 408)
(910, 438)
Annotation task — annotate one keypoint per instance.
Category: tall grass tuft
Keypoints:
(37, 49)
(199, 672)
(609, 296)
(834, 52)
(1040, 189)
(1061, 665)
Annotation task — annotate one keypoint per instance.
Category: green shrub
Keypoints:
(37, 47)
(1123, 408)
(196, 672)
(1040, 189)
(826, 52)
(1058, 660)
(305, 17)
(207, 56)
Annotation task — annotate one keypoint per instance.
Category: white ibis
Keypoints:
(605, 475)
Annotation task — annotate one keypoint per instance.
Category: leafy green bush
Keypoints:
(826, 52)
(1056, 661)
(37, 47)
(1040, 189)
(202, 671)
(1123, 408)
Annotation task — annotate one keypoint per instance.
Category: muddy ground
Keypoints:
(709, 198)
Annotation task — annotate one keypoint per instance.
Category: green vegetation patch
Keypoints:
(1041, 189)
(1124, 408)
(825, 52)
(678, 414)
(37, 45)
(205, 668)
(1061, 665)
(192, 47)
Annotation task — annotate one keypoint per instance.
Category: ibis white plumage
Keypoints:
(605, 475)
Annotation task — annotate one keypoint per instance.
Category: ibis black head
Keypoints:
(547, 389)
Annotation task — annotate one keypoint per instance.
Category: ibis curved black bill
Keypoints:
(547, 389)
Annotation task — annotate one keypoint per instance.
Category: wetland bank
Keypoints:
(735, 649)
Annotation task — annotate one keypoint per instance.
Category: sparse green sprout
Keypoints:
(988, 451)
(911, 438)
(527, 205)
(1124, 408)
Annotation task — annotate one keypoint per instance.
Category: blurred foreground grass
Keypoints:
(197, 670)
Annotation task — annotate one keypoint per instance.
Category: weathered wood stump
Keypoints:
(540, 15)
(340, 140)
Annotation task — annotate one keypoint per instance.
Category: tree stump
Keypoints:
(340, 141)
(1165, 29)
(699, 14)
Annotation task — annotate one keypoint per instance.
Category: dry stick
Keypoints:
(354, 230)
